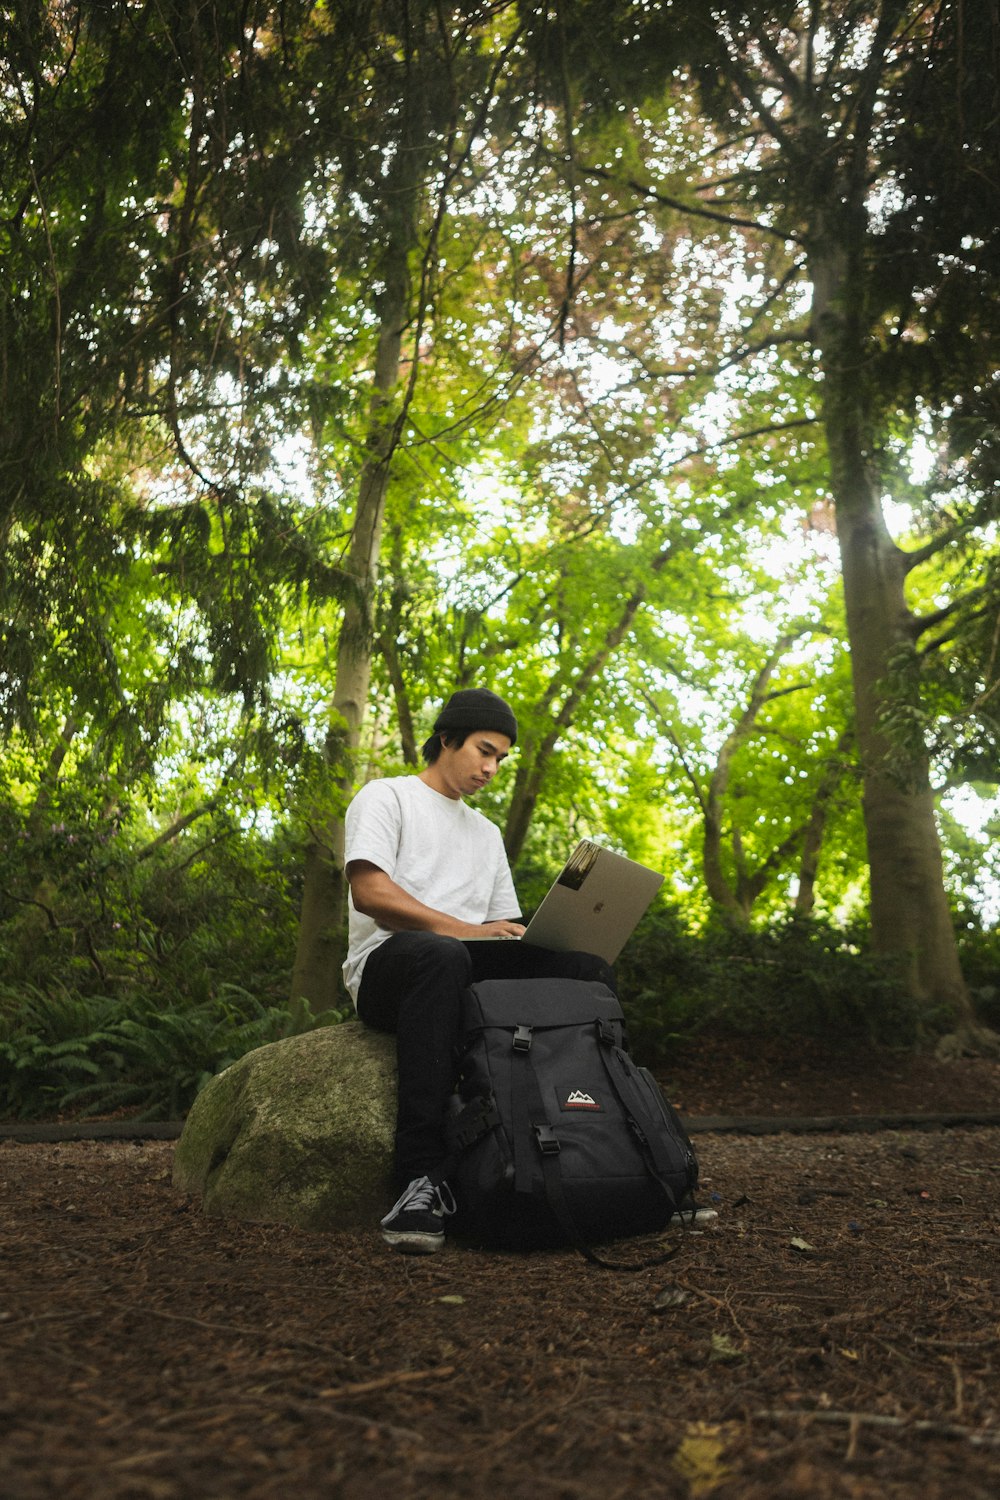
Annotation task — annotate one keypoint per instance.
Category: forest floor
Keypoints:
(836, 1332)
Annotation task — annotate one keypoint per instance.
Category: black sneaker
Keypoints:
(415, 1224)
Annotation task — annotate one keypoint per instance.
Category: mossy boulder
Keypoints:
(298, 1132)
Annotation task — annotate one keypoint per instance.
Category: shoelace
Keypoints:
(424, 1196)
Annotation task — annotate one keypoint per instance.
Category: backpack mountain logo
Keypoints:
(578, 1099)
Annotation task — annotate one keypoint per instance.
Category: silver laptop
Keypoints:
(595, 904)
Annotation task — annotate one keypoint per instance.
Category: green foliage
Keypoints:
(662, 975)
(979, 948)
(91, 902)
(90, 1054)
(609, 493)
(794, 979)
(134, 970)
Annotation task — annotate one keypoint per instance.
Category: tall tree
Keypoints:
(814, 117)
(765, 788)
(427, 82)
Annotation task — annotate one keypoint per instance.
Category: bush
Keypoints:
(216, 908)
(979, 951)
(795, 978)
(662, 979)
(133, 974)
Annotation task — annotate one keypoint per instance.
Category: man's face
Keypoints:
(465, 769)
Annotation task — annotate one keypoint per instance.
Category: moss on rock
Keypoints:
(299, 1132)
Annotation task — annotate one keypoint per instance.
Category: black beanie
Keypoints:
(477, 708)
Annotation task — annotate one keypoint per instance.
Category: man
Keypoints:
(433, 910)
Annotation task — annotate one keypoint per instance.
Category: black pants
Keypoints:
(412, 984)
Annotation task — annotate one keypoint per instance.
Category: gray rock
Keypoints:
(298, 1132)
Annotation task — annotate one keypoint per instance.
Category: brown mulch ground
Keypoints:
(742, 1076)
(835, 1333)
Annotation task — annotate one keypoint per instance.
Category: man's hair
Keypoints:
(455, 738)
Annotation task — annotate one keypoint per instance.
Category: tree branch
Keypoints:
(736, 437)
(920, 625)
(938, 543)
(50, 916)
(674, 739)
(687, 372)
(665, 200)
(178, 826)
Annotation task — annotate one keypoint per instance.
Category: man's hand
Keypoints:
(502, 929)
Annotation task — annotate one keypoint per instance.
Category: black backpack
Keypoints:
(556, 1136)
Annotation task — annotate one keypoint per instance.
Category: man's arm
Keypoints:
(378, 896)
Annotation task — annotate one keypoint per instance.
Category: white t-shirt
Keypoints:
(437, 848)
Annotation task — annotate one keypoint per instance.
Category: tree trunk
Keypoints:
(421, 127)
(319, 953)
(812, 839)
(734, 900)
(911, 922)
(720, 892)
(49, 778)
(388, 647)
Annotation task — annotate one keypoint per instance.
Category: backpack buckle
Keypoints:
(522, 1038)
(548, 1142)
(472, 1123)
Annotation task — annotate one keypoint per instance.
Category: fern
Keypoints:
(95, 1055)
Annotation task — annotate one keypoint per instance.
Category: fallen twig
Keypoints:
(399, 1377)
(977, 1437)
(873, 1314)
(52, 1317)
(227, 1412)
